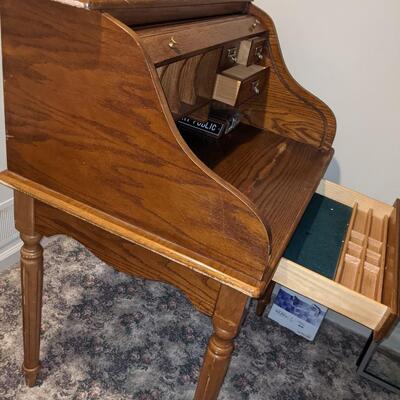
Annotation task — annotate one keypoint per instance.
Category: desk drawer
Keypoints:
(166, 43)
(245, 52)
(252, 51)
(238, 84)
(365, 284)
(229, 56)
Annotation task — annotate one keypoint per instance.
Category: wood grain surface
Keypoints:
(331, 294)
(195, 37)
(186, 82)
(284, 107)
(172, 251)
(104, 4)
(227, 319)
(31, 284)
(91, 123)
(349, 197)
(206, 73)
(94, 151)
(170, 80)
(235, 90)
(130, 258)
(166, 11)
(391, 284)
(279, 175)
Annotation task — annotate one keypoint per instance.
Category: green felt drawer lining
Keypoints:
(318, 239)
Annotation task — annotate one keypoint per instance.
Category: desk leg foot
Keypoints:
(265, 299)
(31, 375)
(31, 283)
(227, 319)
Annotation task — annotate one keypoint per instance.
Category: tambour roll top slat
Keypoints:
(141, 12)
(107, 4)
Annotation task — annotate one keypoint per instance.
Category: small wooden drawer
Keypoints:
(362, 281)
(252, 51)
(230, 55)
(238, 84)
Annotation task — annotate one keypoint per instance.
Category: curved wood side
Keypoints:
(285, 107)
(87, 118)
(129, 258)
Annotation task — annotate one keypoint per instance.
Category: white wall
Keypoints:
(347, 52)
(9, 243)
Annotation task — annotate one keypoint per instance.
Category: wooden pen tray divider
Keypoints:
(362, 261)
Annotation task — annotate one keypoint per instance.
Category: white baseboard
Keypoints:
(9, 256)
(8, 233)
(9, 237)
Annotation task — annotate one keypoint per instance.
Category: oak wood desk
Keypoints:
(93, 90)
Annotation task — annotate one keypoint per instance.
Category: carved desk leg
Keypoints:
(227, 319)
(31, 282)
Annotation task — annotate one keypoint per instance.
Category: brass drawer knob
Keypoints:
(172, 43)
(259, 54)
(255, 24)
(256, 87)
(232, 54)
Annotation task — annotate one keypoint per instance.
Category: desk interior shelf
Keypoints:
(277, 174)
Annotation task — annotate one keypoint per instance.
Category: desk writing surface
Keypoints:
(279, 175)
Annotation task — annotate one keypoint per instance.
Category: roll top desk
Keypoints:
(95, 92)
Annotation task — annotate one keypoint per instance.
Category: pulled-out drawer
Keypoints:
(345, 255)
(238, 84)
(252, 51)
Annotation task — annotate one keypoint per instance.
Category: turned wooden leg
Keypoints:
(265, 299)
(227, 320)
(31, 283)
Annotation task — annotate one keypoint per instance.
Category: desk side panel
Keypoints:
(129, 258)
(86, 117)
(284, 106)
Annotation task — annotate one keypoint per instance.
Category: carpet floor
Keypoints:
(107, 336)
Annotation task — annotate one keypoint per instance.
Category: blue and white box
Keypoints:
(297, 313)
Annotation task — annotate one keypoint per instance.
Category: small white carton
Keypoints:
(297, 313)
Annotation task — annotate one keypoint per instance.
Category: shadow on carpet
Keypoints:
(108, 336)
